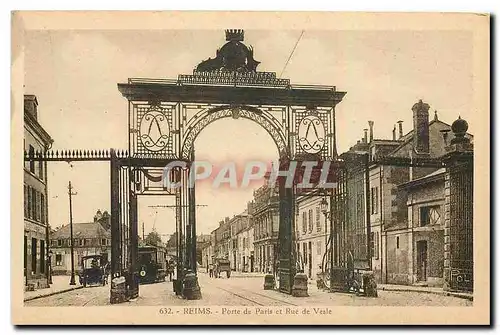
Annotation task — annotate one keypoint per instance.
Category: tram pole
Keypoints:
(70, 194)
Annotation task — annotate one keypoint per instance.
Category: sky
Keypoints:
(74, 75)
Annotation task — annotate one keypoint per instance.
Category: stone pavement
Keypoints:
(424, 289)
(60, 284)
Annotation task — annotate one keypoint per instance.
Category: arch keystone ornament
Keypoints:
(167, 115)
(154, 129)
(312, 134)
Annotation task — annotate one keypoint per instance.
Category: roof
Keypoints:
(438, 174)
(82, 230)
(408, 138)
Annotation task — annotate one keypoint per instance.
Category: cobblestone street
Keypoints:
(244, 291)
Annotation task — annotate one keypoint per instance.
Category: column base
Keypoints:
(370, 285)
(191, 289)
(299, 288)
(118, 293)
(268, 282)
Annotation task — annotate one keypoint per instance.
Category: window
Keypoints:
(304, 248)
(304, 222)
(59, 243)
(372, 244)
(40, 170)
(33, 255)
(430, 215)
(69, 242)
(310, 220)
(25, 252)
(318, 248)
(87, 242)
(42, 208)
(103, 241)
(26, 201)
(376, 245)
(82, 242)
(30, 203)
(374, 200)
(58, 259)
(32, 162)
(33, 203)
(318, 220)
(38, 207)
(42, 256)
(397, 242)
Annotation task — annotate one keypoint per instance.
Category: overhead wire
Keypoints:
(291, 53)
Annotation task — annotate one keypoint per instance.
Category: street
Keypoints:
(244, 291)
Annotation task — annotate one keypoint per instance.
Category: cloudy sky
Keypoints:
(74, 75)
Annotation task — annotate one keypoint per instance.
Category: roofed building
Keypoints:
(36, 225)
(89, 238)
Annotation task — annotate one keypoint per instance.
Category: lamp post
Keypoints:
(49, 267)
(70, 194)
(333, 236)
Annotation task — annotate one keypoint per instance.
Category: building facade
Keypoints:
(242, 242)
(90, 238)
(222, 245)
(388, 207)
(265, 216)
(419, 247)
(36, 224)
(312, 231)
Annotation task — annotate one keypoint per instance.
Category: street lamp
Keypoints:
(72, 280)
(333, 236)
(49, 267)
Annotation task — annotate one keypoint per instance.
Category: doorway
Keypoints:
(422, 261)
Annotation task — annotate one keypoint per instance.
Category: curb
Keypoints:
(444, 293)
(52, 293)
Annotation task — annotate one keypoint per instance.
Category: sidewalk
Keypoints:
(59, 284)
(247, 274)
(423, 289)
(235, 274)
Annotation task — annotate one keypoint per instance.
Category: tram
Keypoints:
(152, 264)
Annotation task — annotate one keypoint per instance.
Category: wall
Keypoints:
(435, 256)
(314, 234)
(35, 228)
(398, 257)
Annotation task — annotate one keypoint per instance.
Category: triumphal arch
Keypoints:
(166, 116)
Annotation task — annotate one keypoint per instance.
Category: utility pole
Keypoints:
(143, 238)
(70, 194)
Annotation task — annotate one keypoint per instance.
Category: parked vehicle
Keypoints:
(222, 265)
(93, 271)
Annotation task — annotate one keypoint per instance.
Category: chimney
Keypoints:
(421, 127)
(400, 124)
(365, 138)
(31, 105)
(370, 124)
(394, 133)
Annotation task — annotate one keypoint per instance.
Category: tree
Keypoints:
(153, 238)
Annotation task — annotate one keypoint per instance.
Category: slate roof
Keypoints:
(82, 230)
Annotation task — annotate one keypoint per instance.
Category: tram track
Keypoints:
(275, 301)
